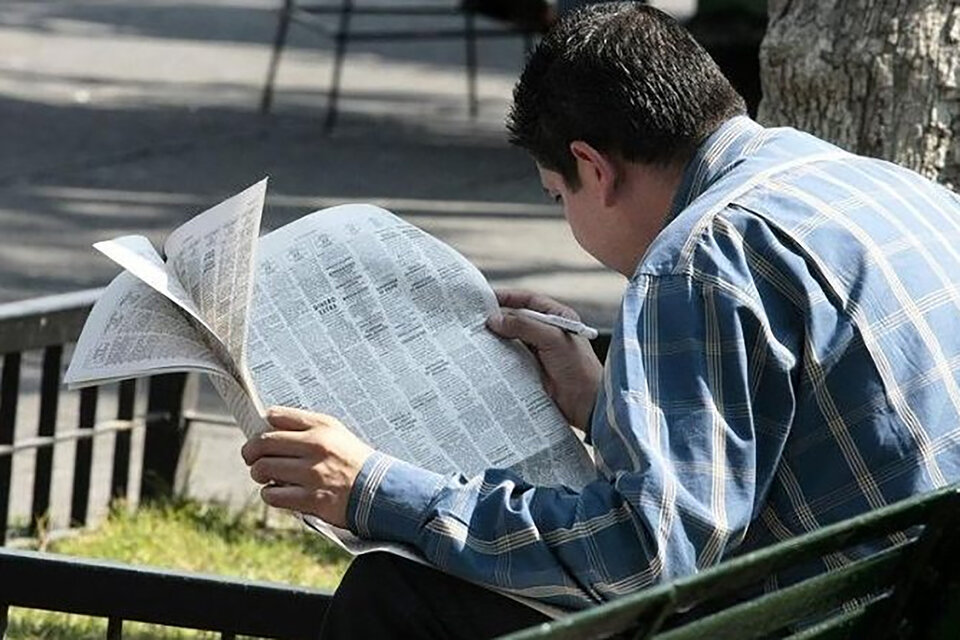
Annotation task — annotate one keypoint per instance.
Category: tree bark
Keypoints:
(876, 77)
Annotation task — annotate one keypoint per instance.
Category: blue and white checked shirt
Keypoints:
(786, 356)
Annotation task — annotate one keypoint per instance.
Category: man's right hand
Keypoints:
(571, 371)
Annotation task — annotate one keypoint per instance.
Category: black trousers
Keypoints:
(385, 596)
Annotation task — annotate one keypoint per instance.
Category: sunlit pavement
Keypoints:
(129, 117)
(121, 117)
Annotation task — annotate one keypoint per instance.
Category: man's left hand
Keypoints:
(308, 463)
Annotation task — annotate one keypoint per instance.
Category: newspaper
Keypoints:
(350, 311)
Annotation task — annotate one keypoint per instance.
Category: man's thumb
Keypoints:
(495, 323)
(510, 325)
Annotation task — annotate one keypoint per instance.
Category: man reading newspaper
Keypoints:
(784, 357)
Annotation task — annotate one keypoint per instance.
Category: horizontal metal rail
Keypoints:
(121, 592)
(108, 426)
(220, 419)
(44, 322)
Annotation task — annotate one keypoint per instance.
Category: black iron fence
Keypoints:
(120, 592)
(50, 325)
(108, 589)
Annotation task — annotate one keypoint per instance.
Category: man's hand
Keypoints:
(308, 463)
(571, 371)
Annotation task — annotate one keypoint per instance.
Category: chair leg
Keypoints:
(340, 51)
(279, 41)
(471, 44)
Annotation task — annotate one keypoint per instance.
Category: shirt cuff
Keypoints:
(390, 499)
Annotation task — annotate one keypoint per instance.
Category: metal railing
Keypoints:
(107, 589)
(50, 325)
(120, 593)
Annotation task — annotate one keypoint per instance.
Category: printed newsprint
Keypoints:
(349, 311)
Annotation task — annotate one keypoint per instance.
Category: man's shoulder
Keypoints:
(723, 176)
(691, 236)
(796, 213)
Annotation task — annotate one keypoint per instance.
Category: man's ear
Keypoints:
(596, 168)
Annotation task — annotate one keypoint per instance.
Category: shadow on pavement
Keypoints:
(71, 175)
(254, 22)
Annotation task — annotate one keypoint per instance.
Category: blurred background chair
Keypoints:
(335, 20)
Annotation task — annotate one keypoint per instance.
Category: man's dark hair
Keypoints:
(625, 78)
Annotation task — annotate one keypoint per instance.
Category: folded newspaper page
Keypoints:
(349, 311)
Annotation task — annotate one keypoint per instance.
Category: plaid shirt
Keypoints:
(786, 356)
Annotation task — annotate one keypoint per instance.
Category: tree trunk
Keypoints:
(877, 77)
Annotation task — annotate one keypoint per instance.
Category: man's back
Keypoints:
(783, 353)
(847, 269)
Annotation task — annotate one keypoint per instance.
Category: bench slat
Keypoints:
(817, 596)
(843, 625)
(707, 591)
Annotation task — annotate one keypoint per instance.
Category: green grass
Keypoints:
(186, 536)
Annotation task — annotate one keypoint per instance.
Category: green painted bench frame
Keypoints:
(918, 585)
(908, 591)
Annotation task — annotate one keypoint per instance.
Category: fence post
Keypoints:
(49, 398)
(126, 400)
(164, 435)
(9, 394)
(83, 458)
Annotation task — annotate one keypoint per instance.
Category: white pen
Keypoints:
(568, 325)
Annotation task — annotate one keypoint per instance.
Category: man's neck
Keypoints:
(712, 159)
(648, 195)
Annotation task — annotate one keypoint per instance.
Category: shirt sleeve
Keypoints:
(687, 431)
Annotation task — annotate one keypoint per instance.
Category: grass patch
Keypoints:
(187, 536)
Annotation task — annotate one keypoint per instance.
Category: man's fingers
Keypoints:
(291, 419)
(292, 498)
(273, 443)
(527, 330)
(514, 298)
(280, 471)
(523, 299)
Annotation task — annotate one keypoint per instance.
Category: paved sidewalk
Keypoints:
(128, 117)
(122, 117)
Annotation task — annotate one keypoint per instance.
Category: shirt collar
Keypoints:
(718, 154)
